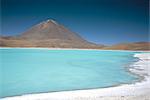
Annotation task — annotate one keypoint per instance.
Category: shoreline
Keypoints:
(138, 89)
(72, 49)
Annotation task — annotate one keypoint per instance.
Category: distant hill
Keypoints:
(51, 34)
(130, 46)
(47, 34)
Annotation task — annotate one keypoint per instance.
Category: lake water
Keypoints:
(25, 71)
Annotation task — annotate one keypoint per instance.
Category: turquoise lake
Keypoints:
(26, 71)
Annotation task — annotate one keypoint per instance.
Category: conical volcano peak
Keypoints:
(49, 29)
(51, 21)
(49, 33)
(47, 24)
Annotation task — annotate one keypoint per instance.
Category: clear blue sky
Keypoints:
(100, 21)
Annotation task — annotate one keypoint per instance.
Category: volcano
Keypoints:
(48, 33)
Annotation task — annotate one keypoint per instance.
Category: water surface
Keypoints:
(25, 71)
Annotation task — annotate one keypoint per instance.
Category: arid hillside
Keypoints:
(51, 34)
(47, 34)
(130, 46)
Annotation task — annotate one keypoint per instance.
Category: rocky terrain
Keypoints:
(130, 46)
(47, 34)
(51, 34)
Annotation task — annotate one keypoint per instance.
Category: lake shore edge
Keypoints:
(138, 90)
(71, 49)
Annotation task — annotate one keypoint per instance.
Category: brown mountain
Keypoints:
(130, 46)
(47, 34)
(51, 34)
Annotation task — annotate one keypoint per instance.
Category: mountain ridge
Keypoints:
(51, 34)
(48, 33)
(130, 46)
